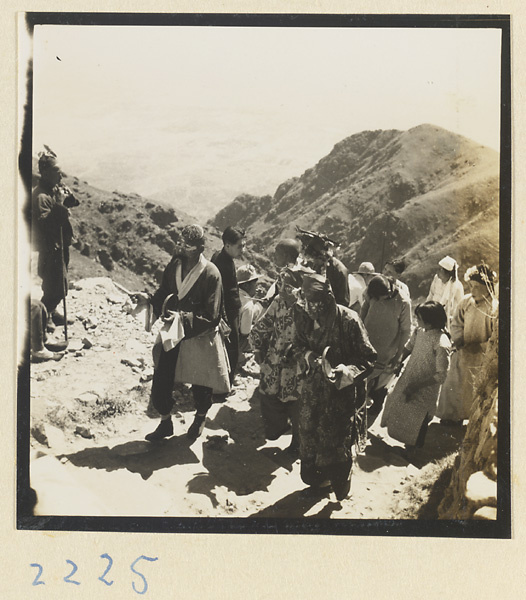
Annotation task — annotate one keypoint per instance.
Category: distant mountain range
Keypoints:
(418, 194)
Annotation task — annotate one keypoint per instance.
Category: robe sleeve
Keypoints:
(261, 332)
(457, 323)
(365, 306)
(167, 287)
(207, 312)
(361, 352)
(443, 351)
(405, 325)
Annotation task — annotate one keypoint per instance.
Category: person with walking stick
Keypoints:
(51, 236)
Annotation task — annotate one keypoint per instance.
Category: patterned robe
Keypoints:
(331, 420)
(271, 336)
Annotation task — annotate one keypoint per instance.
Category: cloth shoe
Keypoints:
(196, 428)
(45, 354)
(58, 318)
(164, 429)
(56, 345)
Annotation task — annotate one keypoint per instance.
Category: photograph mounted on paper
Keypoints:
(265, 271)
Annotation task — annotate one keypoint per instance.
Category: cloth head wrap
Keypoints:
(448, 263)
(193, 235)
(47, 161)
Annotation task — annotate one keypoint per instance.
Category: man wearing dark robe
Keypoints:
(233, 247)
(51, 234)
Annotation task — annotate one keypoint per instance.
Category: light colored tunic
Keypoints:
(388, 324)
(471, 328)
(448, 294)
(404, 414)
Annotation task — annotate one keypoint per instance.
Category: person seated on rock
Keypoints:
(51, 235)
(190, 346)
(358, 281)
(41, 349)
(272, 338)
(446, 287)
(234, 244)
(334, 357)
(394, 269)
(386, 314)
(318, 254)
(251, 309)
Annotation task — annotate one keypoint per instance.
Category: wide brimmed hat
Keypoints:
(246, 273)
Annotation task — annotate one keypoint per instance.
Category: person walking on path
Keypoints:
(411, 405)
(471, 328)
(272, 337)
(334, 356)
(446, 287)
(358, 281)
(318, 254)
(190, 348)
(233, 248)
(386, 314)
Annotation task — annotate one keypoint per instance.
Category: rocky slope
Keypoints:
(418, 194)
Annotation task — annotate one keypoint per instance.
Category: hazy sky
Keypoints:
(293, 93)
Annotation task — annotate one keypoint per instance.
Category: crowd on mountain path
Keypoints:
(340, 356)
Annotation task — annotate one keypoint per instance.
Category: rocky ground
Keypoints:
(90, 413)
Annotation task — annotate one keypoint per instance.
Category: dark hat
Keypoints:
(314, 243)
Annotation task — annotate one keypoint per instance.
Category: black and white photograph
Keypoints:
(264, 270)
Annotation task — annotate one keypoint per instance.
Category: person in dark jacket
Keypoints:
(233, 247)
(190, 300)
(51, 234)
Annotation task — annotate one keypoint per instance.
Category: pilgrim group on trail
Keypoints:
(335, 349)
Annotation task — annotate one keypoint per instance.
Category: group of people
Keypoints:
(335, 349)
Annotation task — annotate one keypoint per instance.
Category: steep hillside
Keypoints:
(126, 235)
(418, 194)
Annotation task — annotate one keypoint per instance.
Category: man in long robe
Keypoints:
(189, 300)
(233, 247)
(51, 234)
(332, 405)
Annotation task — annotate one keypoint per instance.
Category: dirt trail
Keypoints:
(90, 413)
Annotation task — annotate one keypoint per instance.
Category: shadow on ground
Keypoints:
(137, 456)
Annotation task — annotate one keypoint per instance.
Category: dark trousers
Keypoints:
(423, 432)
(38, 325)
(337, 473)
(232, 346)
(276, 415)
(54, 276)
(163, 383)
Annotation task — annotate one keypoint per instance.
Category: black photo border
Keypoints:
(502, 526)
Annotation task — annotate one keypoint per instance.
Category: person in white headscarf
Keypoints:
(446, 287)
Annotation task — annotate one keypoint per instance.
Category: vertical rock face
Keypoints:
(472, 492)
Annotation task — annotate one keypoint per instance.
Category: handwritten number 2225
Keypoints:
(67, 579)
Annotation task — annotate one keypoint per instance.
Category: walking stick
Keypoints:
(63, 285)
